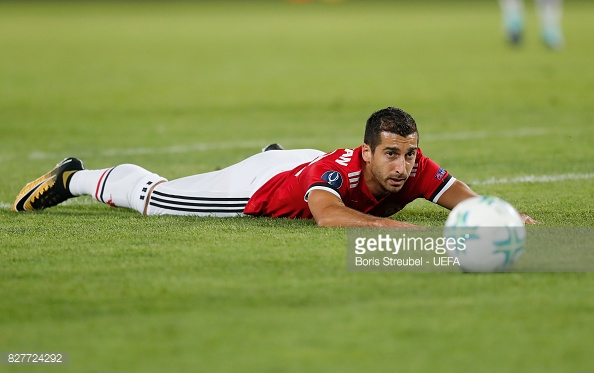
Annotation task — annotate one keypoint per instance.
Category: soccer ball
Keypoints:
(492, 231)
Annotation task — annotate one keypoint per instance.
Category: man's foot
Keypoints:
(50, 189)
(552, 37)
(514, 28)
(274, 146)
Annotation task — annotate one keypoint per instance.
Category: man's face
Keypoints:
(389, 166)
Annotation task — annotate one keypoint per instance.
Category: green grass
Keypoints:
(186, 87)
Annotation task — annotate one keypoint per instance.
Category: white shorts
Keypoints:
(224, 192)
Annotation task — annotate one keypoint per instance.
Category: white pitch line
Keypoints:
(492, 181)
(257, 144)
(162, 150)
(475, 135)
(83, 201)
(534, 179)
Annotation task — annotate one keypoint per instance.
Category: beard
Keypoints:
(390, 183)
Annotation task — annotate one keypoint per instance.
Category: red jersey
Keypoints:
(340, 173)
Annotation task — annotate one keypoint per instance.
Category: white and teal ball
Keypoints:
(493, 233)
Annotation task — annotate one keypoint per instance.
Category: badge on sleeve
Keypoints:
(334, 178)
(440, 174)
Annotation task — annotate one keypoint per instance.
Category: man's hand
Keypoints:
(527, 219)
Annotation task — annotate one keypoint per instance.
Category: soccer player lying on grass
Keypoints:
(346, 187)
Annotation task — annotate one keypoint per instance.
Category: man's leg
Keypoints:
(225, 192)
(549, 12)
(219, 193)
(126, 185)
(512, 12)
(119, 186)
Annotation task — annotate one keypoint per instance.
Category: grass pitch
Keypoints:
(182, 88)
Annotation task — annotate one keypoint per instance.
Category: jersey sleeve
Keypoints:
(324, 174)
(433, 180)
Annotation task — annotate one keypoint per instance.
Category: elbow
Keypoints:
(323, 222)
(329, 220)
(322, 218)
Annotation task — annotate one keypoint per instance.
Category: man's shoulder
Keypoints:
(343, 159)
(338, 169)
(421, 162)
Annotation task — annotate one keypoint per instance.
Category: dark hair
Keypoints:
(390, 119)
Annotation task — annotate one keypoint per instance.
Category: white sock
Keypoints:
(512, 15)
(509, 7)
(549, 12)
(84, 182)
(125, 185)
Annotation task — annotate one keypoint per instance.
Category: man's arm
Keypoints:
(459, 191)
(455, 194)
(329, 211)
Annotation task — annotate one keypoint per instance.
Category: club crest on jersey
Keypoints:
(333, 178)
(440, 174)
